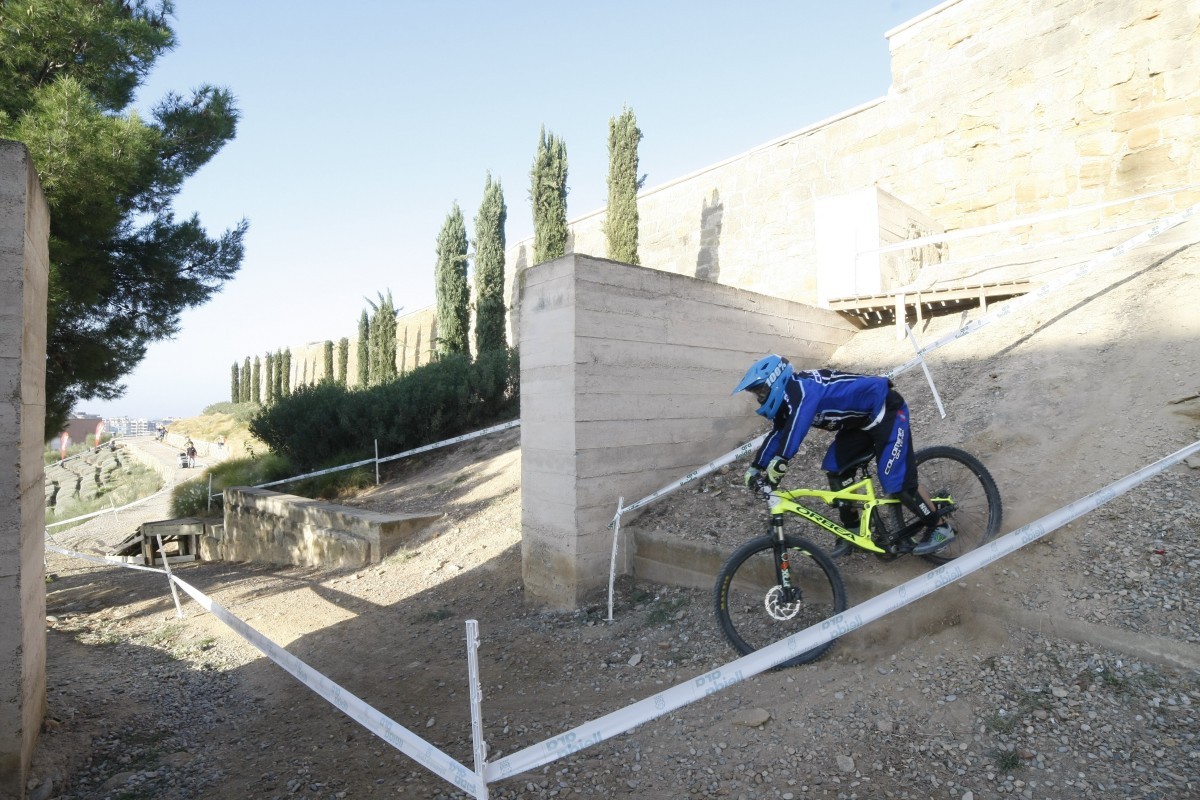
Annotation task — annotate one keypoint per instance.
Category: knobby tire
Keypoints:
(748, 577)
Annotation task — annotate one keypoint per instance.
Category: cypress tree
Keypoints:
(364, 350)
(327, 375)
(548, 194)
(278, 373)
(343, 360)
(235, 392)
(246, 380)
(621, 221)
(489, 269)
(286, 385)
(256, 382)
(268, 377)
(453, 313)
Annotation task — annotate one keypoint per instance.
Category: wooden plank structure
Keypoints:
(180, 538)
(893, 307)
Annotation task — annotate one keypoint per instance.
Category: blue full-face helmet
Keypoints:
(767, 378)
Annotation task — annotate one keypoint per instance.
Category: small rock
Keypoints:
(752, 717)
(635, 659)
(845, 763)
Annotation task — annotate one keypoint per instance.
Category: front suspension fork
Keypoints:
(783, 572)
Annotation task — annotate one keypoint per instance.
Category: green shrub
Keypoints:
(241, 412)
(326, 425)
(190, 499)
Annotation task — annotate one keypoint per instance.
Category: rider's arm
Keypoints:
(791, 423)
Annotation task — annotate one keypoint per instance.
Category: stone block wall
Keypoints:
(24, 271)
(997, 109)
(626, 375)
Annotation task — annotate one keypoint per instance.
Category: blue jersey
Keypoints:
(826, 399)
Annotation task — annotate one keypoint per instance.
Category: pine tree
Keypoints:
(343, 358)
(327, 375)
(246, 380)
(364, 351)
(235, 391)
(489, 269)
(256, 382)
(621, 221)
(453, 296)
(548, 194)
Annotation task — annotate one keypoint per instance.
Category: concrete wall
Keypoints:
(276, 528)
(997, 109)
(24, 269)
(626, 374)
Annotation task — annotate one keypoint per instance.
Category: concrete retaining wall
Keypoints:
(626, 374)
(24, 271)
(277, 528)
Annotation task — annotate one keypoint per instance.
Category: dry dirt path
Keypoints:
(938, 701)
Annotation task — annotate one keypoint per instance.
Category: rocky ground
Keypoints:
(1068, 672)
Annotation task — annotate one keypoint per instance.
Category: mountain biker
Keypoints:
(863, 411)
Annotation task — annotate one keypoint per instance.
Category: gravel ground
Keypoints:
(938, 701)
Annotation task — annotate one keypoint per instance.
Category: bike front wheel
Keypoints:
(750, 603)
(969, 491)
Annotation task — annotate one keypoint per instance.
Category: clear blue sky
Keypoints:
(363, 122)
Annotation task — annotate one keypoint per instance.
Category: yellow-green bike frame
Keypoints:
(861, 494)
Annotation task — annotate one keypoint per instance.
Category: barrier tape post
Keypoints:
(478, 745)
(387, 729)
(937, 398)
(376, 462)
(629, 717)
(170, 577)
(210, 491)
(612, 565)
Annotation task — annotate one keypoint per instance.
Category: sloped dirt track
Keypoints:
(968, 694)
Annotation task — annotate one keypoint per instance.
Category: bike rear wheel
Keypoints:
(747, 598)
(976, 515)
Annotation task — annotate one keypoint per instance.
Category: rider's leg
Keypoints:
(898, 473)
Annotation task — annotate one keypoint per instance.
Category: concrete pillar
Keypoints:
(24, 267)
(626, 375)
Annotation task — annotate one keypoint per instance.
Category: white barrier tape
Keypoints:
(377, 723)
(101, 560)
(364, 462)
(937, 398)
(502, 427)
(625, 719)
(106, 511)
(712, 466)
(1160, 227)
(1017, 222)
(392, 732)
(170, 578)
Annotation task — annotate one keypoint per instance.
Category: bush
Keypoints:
(190, 499)
(327, 425)
(240, 412)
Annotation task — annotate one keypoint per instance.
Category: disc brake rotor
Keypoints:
(777, 608)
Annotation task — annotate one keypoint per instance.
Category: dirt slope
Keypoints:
(941, 701)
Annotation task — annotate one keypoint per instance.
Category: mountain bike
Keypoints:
(778, 584)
